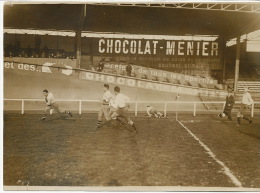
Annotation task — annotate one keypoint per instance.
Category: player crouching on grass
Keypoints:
(246, 103)
(121, 105)
(51, 104)
(151, 111)
(230, 101)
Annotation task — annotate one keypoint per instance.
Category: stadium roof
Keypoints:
(227, 20)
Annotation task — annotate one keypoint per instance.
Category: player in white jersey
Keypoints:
(246, 103)
(51, 104)
(104, 110)
(121, 105)
(151, 111)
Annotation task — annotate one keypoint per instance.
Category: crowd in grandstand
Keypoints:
(17, 51)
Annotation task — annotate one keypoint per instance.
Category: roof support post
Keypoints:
(237, 63)
(224, 64)
(224, 55)
(78, 36)
(78, 52)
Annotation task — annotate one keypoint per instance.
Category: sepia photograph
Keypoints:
(131, 96)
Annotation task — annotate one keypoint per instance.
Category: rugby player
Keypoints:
(151, 111)
(246, 103)
(51, 104)
(104, 110)
(121, 105)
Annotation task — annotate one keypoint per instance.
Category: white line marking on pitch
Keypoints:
(226, 169)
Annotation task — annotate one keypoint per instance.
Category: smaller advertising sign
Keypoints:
(44, 68)
(150, 72)
(148, 84)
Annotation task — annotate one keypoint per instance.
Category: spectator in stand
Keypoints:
(29, 51)
(43, 55)
(129, 70)
(46, 52)
(91, 67)
(100, 66)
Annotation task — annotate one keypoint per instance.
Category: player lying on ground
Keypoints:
(151, 111)
(105, 109)
(230, 101)
(121, 105)
(246, 103)
(51, 104)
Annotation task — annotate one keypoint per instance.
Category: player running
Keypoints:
(121, 105)
(104, 110)
(247, 101)
(51, 104)
(151, 111)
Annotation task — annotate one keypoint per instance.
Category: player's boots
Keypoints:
(135, 129)
(43, 118)
(98, 124)
(238, 121)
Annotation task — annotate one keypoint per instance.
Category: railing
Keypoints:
(165, 103)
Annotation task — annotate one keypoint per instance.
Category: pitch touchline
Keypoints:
(226, 169)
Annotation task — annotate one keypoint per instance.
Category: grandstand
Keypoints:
(209, 69)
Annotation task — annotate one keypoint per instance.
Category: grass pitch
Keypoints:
(70, 152)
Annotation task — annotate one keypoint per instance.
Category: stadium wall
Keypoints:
(26, 81)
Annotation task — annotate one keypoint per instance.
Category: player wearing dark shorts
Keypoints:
(121, 108)
(230, 101)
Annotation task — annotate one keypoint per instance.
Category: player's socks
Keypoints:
(238, 120)
(98, 124)
(133, 125)
(135, 129)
